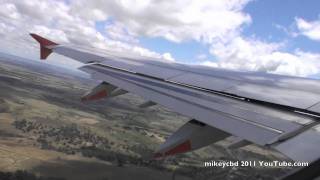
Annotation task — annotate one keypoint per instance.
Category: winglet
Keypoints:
(44, 50)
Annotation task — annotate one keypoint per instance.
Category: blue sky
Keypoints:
(265, 14)
(184, 53)
(268, 13)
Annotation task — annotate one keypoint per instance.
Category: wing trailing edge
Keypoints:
(102, 90)
(191, 136)
(147, 104)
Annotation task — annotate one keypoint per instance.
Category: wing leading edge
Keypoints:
(227, 104)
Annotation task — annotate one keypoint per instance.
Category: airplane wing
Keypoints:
(278, 112)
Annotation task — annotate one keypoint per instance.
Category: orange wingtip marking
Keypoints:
(43, 41)
(44, 51)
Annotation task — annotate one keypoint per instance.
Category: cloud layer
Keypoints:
(310, 29)
(218, 24)
(254, 55)
(61, 22)
(177, 21)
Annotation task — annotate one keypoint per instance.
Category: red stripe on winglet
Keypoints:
(98, 95)
(44, 51)
(43, 41)
(181, 148)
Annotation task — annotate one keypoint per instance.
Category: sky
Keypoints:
(281, 37)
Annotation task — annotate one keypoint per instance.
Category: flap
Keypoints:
(302, 147)
(193, 135)
(100, 91)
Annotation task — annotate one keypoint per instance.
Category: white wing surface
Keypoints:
(274, 111)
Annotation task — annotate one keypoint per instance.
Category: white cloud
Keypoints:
(118, 31)
(56, 34)
(61, 22)
(201, 56)
(201, 21)
(9, 10)
(255, 55)
(217, 24)
(310, 29)
(290, 31)
(175, 20)
(74, 22)
(168, 56)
